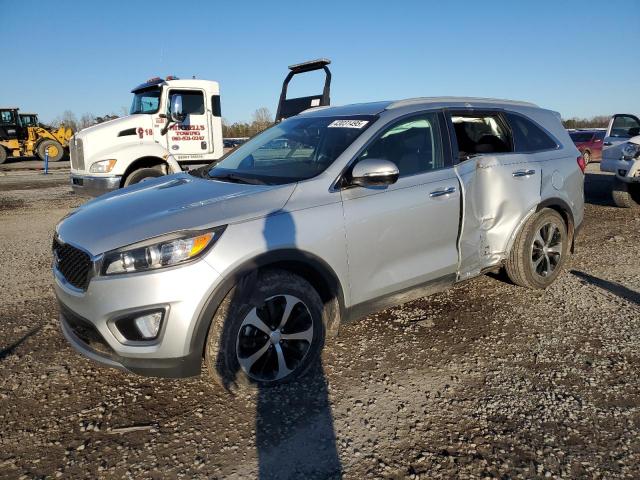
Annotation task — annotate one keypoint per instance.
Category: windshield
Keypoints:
(145, 101)
(295, 150)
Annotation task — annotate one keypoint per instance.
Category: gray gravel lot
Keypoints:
(484, 380)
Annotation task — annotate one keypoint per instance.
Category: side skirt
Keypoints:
(363, 309)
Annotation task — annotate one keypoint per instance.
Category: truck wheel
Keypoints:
(142, 174)
(539, 251)
(266, 334)
(3, 155)
(586, 155)
(625, 195)
(56, 152)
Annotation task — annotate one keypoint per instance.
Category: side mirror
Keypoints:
(374, 172)
(175, 108)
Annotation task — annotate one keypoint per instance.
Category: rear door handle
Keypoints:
(523, 173)
(440, 193)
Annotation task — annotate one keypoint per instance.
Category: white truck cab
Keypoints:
(621, 156)
(149, 142)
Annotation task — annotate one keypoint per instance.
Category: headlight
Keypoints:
(630, 151)
(103, 166)
(159, 253)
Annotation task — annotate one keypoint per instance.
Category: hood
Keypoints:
(635, 140)
(164, 205)
(117, 124)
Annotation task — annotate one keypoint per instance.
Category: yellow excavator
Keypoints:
(21, 135)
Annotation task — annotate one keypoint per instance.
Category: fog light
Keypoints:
(148, 325)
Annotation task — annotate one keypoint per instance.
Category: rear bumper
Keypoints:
(94, 186)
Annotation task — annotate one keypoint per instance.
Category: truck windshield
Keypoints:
(294, 150)
(145, 101)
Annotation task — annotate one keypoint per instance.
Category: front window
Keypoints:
(414, 145)
(6, 117)
(192, 101)
(146, 101)
(295, 150)
(625, 126)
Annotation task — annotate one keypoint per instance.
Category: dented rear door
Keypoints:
(498, 190)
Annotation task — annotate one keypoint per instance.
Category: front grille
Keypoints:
(74, 264)
(86, 332)
(76, 152)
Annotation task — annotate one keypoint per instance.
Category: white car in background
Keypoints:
(621, 155)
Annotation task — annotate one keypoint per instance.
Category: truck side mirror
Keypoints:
(175, 108)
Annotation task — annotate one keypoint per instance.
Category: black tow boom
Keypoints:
(288, 107)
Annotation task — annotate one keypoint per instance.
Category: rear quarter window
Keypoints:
(529, 137)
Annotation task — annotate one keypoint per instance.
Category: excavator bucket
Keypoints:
(288, 107)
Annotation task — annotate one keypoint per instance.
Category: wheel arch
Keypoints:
(149, 161)
(307, 265)
(554, 203)
(564, 210)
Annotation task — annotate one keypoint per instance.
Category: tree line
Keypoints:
(263, 119)
(260, 120)
(70, 120)
(599, 121)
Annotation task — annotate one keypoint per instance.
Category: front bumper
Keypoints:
(88, 319)
(94, 186)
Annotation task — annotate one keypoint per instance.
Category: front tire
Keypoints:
(625, 195)
(141, 175)
(266, 334)
(539, 251)
(586, 155)
(3, 155)
(56, 152)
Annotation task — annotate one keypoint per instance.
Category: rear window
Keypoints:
(578, 137)
(527, 136)
(478, 134)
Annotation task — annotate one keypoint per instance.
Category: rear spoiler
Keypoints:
(288, 107)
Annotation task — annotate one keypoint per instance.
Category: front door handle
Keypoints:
(523, 173)
(440, 193)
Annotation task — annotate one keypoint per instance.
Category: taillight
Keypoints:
(581, 163)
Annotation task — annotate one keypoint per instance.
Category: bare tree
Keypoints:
(86, 120)
(68, 119)
(262, 119)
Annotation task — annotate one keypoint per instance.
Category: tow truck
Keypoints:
(173, 125)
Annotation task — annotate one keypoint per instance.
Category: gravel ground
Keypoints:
(484, 380)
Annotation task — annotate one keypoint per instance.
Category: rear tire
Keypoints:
(539, 251)
(249, 346)
(3, 155)
(143, 174)
(56, 152)
(625, 195)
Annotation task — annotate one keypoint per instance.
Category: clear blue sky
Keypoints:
(580, 58)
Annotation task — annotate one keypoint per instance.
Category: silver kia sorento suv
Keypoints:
(252, 262)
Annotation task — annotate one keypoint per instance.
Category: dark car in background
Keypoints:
(589, 142)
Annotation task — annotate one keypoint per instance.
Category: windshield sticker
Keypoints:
(348, 123)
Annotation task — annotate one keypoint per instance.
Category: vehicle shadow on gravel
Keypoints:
(597, 189)
(613, 287)
(294, 428)
(5, 352)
